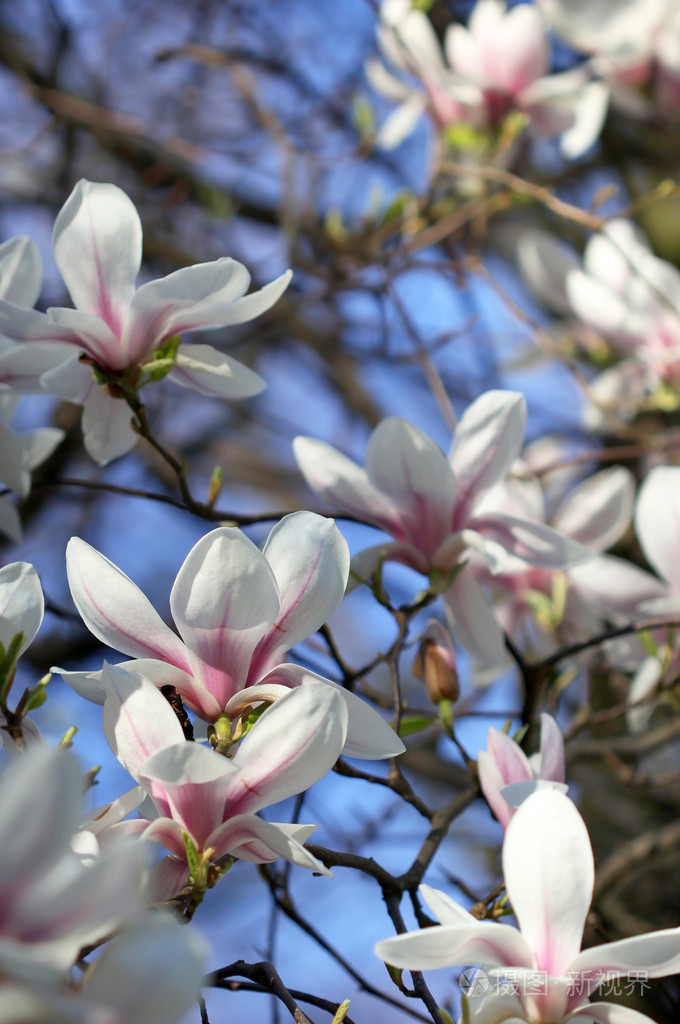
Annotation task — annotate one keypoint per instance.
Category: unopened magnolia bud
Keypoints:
(435, 664)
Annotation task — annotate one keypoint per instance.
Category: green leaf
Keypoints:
(192, 857)
(414, 723)
(649, 643)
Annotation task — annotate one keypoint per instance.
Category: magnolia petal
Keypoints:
(488, 439)
(88, 685)
(194, 695)
(91, 334)
(504, 762)
(150, 974)
(20, 271)
(619, 586)
(552, 750)
(473, 622)
(608, 1013)
(590, 110)
(545, 262)
(339, 481)
(656, 522)
(598, 511)
(549, 874)
(196, 298)
(596, 304)
(533, 542)
(294, 744)
(49, 783)
(138, 720)
(202, 368)
(401, 121)
(369, 736)
(309, 558)
(39, 445)
(107, 430)
(21, 604)
(10, 521)
(656, 953)
(190, 784)
(253, 839)
(446, 910)
(451, 945)
(224, 600)
(97, 242)
(115, 610)
(366, 563)
(517, 792)
(403, 463)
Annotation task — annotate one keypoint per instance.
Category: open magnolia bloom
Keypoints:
(434, 508)
(214, 800)
(623, 294)
(496, 66)
(150, 973)
(507, 776)
(634, 45)
(538, 972)
(538, 606)
(20, 281)
(53, 905)
(116, 334)
(238, 611)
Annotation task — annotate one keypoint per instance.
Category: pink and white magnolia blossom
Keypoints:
(150, 973)
(20, 281)
(497, 65)
(215, 799)
(434, 508)
(507, 776)
(626, 295)
(52, 903)
(97, 245)
(549, 874)
(238, 611)
(635, 46)
(536, 604)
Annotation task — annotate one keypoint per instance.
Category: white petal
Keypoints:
(224, 600)
(655, 953)
(339, 481)
(195, 298)
(107, 431)
(598, 511)
(310, 561)
(549, 874)
(150, 974)
(446, 910)
(202, 368)
(488, 439)
(532, 542)
(474, 623)
(545, 262)
(115, 609)
(10, 522)
(21, 603)
(97, 244)
(20, 271)
(450, 945)
(656, 522)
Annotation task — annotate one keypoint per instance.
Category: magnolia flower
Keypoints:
(53, 905)
(507, 776)
(434, 508)
(534, 603)
(150, 973)
(497, 65)
(630, 297)
(213, 799)
(21, 612)
(118, 331)
(549, 873)
(20, 280)
(238, 611)
(634, 45)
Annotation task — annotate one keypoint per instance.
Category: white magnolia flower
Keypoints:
(549, 874)
(119, 331)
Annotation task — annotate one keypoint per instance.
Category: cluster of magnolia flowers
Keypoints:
(498, 67)
(477, 524)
